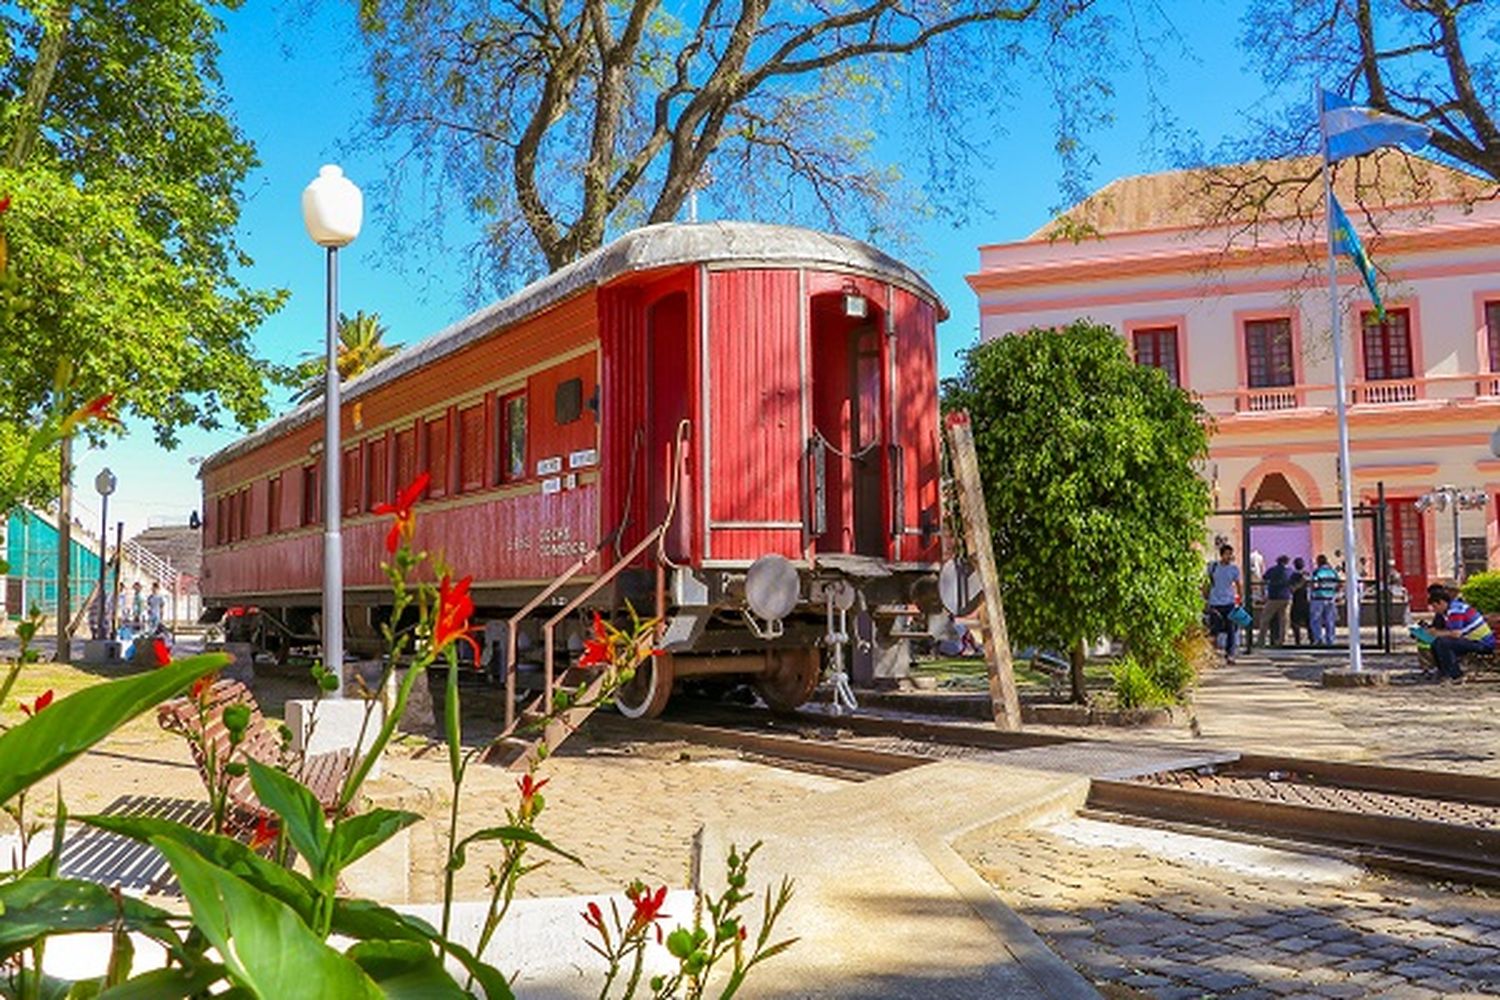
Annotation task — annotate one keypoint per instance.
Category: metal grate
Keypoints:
(115, 860)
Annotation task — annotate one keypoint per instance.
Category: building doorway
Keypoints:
(1407, 543)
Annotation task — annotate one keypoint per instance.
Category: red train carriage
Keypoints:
(733, 424)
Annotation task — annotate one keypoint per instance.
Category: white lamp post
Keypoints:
(332, 209)
(104, 482)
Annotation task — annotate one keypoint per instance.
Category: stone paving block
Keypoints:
(1246, 940)
(1216, 981)
(1296, 945)
(1343, 949)
(1145, 981)
(1340, 991)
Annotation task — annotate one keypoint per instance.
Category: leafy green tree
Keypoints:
(551, 123)
(1090, 468)
(124, 175)
(361, 347)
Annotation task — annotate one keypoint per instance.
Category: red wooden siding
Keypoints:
(754, 408)
(435, 449)
(377, 472)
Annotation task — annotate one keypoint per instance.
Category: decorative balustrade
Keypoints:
(1383, 392)
(1388, 391)
(1262, 400)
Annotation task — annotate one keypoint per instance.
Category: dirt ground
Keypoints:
(628, 805)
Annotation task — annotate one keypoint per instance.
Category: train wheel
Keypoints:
(649, 690)
(790, 678)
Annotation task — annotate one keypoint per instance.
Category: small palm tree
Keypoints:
(361, 347)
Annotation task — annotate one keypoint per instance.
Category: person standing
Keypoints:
(156, 606)
(1301, 619)
(1323, 590)
(1222, 590)
(1278, 599)
(1465, 631)
(137, 611)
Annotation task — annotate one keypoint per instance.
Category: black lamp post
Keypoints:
(105, 483)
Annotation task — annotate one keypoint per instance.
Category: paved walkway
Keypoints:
(884, 907)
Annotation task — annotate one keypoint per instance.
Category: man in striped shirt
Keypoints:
(1466, 631)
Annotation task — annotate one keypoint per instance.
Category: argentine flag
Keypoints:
(1346, 241)
(1351, 129)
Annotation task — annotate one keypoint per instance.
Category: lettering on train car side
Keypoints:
(549, 466)
(551, 486)
(583, 459)
(559, 541)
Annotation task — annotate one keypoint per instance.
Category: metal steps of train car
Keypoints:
(519, 747)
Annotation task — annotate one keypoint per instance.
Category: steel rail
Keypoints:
(793, 748)
(1464, 852)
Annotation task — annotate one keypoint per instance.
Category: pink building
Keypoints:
(1238, 312)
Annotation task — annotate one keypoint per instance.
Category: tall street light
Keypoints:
(332, 209)
(104, 482)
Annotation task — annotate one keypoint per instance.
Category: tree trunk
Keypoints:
(65, 553)
(1076, 657)
(48, 54)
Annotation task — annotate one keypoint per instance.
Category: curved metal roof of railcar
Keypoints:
(665, 244)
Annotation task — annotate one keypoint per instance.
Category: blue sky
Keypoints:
(293, 71)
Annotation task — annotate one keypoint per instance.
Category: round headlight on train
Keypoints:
(772, 588)
(959, 587)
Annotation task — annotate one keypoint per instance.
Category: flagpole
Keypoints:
(1341, 411)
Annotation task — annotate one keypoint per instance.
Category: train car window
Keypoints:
(376, 473)
(221, 521)
(406, 458)
(437, 456)
(349, 485)
(244, 498)
(310, 494)
(471, 448)
(273, 504)
(569, 401)
(513, 438)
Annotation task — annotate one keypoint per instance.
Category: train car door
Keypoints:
(848, 394)
(670, 364)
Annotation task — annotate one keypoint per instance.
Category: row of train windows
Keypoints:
(374, 458)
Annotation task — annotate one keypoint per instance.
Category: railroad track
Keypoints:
(1433, 824)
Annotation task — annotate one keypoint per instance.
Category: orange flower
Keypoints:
(405, 521)
(529, 786)
(453, 612)
(648, 906)
(42, 701)
(97, 408)
(264, 835)
(596, 651)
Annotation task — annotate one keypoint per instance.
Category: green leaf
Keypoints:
(265, 945)
(301, 814)
(34, 908)
(357, 836)
(167, 984)
(508, 834)
(234, 857)
(364, 920)
(50, 739)
(406, 970)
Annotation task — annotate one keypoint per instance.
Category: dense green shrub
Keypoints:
(1135, 685)
(1483, 591)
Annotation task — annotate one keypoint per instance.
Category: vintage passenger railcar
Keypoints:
(736, 395)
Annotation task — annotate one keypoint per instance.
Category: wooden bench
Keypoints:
(202, 723)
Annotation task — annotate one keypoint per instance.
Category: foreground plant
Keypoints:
(260, 926)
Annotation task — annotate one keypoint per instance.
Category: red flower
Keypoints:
(594, 917)
(264, 835)
(97, 408)
(201, 688)
(4, 204)
(454, 609)
(529, 786)
(648, 906)
(162, 653)
(596, 651)
(42, 701)
(405, 521)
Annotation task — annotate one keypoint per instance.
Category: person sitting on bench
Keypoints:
(1465, 631)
